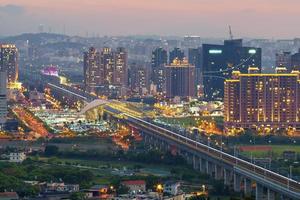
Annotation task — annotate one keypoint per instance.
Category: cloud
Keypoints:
(12, 9)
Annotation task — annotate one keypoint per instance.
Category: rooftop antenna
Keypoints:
(230, 33)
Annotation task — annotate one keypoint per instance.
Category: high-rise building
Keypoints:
(139, 79)
(195, 59)
(295, 61)
(3, 98)
(9, 62)
(159, 57)
(218, 61)
(180, 79)
(176, 53)
(120, 72)
(159, 60)
(192, 41)
(262, 101)
(284, 59)
(105, 68)
(93, 73)
(107, 63)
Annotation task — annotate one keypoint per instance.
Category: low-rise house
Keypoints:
(17, 157)
(8, 196)
(61, 187)
(135, 186)
(171, 187)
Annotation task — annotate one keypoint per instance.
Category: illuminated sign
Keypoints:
(215, 51)
(252, 51)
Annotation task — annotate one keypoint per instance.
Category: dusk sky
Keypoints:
(207, 18)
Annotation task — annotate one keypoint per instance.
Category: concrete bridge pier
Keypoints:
(227, 177)
(259, 192)
(196, 164)
(219, 172)
(210, 168)
(247, 187)
(270, 194)
(237, 182)
(203, 166)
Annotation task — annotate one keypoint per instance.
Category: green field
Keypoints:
(275, 150)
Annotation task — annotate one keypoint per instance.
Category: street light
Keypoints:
(203, 188)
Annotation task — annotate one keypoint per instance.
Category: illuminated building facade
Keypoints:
(93, 73)
(262, 101)
(218, 61)
(159, 60)
(139, 79)
(176, 53)
(105, 68)
(3, 98)
(9, 62)
(180, 79)
(120, 72)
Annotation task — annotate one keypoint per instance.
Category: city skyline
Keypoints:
(202, 17)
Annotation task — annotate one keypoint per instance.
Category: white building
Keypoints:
(17, 157)
(3, 98)
(172, 188)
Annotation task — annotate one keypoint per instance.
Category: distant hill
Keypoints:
(35, 38)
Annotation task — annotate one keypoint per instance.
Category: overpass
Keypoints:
(234, 171)
(219, 164)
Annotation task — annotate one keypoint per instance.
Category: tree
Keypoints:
(78, 196)
(51, 150)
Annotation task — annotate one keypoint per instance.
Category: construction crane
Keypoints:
(230, 33)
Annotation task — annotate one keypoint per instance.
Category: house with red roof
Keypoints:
(135, 186)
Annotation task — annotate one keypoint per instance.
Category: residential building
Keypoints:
(17, 157)
(135, 186)
(176, 53)
(180, 79)
(9, 62)
(120, 70)
(3, 98)
(284, 59)
(159, 60)
(295, 61)
(139, 79)
(171, 187)
(263, 102)
(93, 73)
(218, 62)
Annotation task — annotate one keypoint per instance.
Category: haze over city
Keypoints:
(208, 18)
(152, 100)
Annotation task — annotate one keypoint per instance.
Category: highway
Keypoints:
(285, 184)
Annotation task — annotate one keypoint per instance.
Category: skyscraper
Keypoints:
(9, 62)
(195, 59)
(159, 60)
(284, 59)
(218, 61)
(176, 53)
(180, 79)
(262, 101)
(3, 98)
(107, 63)
(120, 74)
(105, 68)
(159, 57)
(295, 61)
(139, 79)
(93, 73)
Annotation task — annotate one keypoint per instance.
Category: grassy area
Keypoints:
(261, 151)
(191, 121)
